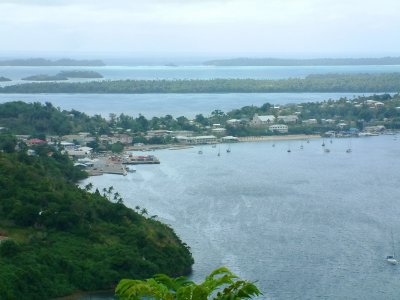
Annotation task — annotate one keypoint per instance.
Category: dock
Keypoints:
(107, 165)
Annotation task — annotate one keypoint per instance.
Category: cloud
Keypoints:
(194, 25)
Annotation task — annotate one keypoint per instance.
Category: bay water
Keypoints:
(304, 225)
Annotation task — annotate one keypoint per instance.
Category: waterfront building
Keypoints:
(281, 128)
(288, 119)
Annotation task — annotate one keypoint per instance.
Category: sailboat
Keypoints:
(200, 151)
(301, 145)
(229, 149)
(288, 150)
(391, 258)
(348, 150)
(219, 151)
(323, 143)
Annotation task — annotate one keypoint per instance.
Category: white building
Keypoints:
(288, 119)
(310, 121)
(262, 121)
(205, 139)
(281, 128)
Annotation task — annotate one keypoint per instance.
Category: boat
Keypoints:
(229, 149)
(214, 146)
(327, 150)
(391, 258)
(219, 151)
(348, 150)
(323, 143)
(200, 152)
(273, 145)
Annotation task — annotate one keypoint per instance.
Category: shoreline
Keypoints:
(278, 137)
(244, 139)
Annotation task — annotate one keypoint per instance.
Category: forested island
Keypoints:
(64, 75)
(304, 62)
(44, 77)
(357, 83)
(57, 238)
(41, 62)
(80, 74)
(4, 79)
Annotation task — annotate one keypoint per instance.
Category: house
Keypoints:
(310, 122)
(229, 139)
(281, 128)
(33, 142)
(121, 138)
(288, 119)
(262, 121)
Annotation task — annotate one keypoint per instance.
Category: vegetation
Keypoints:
(80, 74)
(364, 83)
(221, 284)
(43, 77)
(304, 62)
(38, 62)
(38, 119)
(62, 238)
(4, 79)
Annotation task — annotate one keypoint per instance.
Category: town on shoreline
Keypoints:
(101, 145)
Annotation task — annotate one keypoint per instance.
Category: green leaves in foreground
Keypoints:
(221, 284)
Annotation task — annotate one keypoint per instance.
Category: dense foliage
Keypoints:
(62, 238)
(80, 74)
(44, 77)
(304, 62)
(38, 119)
(45, 62)
(363, 83)
(221, 284)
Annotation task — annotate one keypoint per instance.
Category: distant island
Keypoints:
(303, 62)
(64, 75)
(43, 77)
(326, 83)
(41, 62)
(3, 79)
(80, 74)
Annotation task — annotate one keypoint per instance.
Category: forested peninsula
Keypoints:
(304, 62)
(3, 79)
(41, 62)
(357, 83)
(57, 238)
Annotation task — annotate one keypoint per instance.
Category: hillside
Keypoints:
(57, 238)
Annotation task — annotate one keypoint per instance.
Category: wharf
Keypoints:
(106, 165)
(140, 160)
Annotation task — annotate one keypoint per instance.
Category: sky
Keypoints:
(259, 28)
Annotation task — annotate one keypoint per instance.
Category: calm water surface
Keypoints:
(305, 224)
(193, 72)
(151, 105)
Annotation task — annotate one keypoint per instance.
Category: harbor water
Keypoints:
(304, 225)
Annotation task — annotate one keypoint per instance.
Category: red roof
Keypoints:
(36, 141)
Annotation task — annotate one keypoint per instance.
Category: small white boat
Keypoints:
(327, 150)
(391, 258)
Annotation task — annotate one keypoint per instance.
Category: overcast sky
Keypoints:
(279, 28)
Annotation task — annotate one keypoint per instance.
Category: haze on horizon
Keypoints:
(259, 28)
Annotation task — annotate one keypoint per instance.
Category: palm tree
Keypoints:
(221, 284)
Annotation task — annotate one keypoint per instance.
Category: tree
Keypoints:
(221, 284)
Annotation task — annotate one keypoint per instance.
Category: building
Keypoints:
(281, 128)
(219, 131)
(120, 138)
(205, 139)
(262, 121)
(288, 119)
(310, 122)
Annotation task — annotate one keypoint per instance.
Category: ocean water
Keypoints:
(192, 72)
(150, 105)
(304, 225)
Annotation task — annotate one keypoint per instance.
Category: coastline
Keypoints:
(278, 137)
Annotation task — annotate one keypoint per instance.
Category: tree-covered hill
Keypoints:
(57, 238)
(35, 119)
